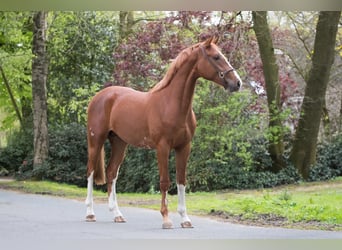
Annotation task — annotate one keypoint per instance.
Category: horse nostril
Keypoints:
(238, 84)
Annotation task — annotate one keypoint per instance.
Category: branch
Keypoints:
(300, 71)
(16, 108)
(298, 34)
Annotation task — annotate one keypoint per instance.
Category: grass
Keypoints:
(308, 205)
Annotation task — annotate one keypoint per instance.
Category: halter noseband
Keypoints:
(221, 74)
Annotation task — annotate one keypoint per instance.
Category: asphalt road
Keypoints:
(25, 216)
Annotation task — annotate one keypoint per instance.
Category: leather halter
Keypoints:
(221, 74)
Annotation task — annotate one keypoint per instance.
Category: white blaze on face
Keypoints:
(238, 77)
(234, 72)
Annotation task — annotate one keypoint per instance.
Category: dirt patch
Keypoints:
(6, 179)
(272, 220)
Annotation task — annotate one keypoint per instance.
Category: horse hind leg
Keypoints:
(90, 216)
(94, 166)
(112, 171)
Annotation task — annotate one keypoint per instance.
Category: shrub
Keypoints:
(67, 157)
(230, 145)
(233, 173)
(139, 171)
(329, 160)
(18, 151)
(227, 152)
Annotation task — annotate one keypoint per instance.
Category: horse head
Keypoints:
(214, 66)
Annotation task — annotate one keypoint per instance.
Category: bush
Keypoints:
(232, 172)
(18, 151)
(228, 152)
(67, 157)
(230, 145)
(329, 160)
(139, 171)
(67, 162)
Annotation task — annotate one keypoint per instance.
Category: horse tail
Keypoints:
(99, 169)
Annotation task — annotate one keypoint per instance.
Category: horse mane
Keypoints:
(175, 65)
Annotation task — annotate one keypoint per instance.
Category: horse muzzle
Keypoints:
(232, 86)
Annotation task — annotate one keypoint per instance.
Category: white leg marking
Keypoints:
(89, 200)
(112, 201)
(181, 203)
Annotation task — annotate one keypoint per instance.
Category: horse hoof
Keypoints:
(186, 224)
(119, 219)
(167, 225)
(90, 218)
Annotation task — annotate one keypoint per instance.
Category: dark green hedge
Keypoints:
(139, 172)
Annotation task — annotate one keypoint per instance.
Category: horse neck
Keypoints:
(181, 89)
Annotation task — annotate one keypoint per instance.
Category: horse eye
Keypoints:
(216, 57)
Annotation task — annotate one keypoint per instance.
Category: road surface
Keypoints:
(27, 216)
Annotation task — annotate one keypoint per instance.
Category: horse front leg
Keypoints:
(163, 152)
(182, 156)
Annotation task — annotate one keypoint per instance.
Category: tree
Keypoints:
(270, 69)
(39, 95)
(303, 153)
(10, 93)
(15, 70)
(126, 19)
(298, 46)
(80, 51)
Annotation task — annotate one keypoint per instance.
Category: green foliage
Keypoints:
(229, 149)
(15, 59)
(67, 157)
(80, 49)
(223, 139)
(139, 171)
(230, 145)
(329, 160)
(18, 152)
(237, 162)
(276, 129)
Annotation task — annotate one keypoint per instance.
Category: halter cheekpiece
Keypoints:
(220, 73)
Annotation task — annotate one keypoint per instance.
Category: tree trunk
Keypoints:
(326, 123)
(303, 154)
(340, 122)
(270, 68)
(126, 23)
(39, 95)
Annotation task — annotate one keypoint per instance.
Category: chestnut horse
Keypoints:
(160, 119)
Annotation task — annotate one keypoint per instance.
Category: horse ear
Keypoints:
(215, 39)
(208, 42)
